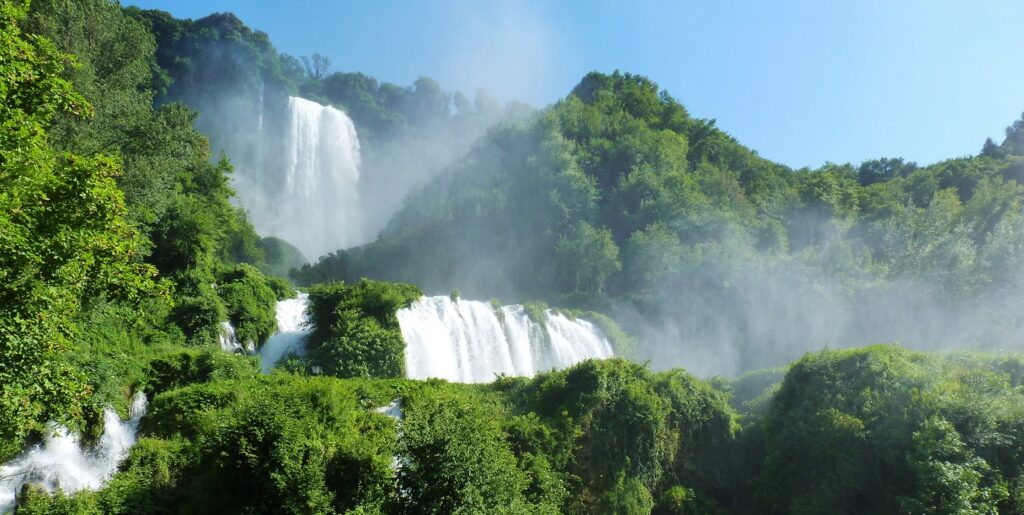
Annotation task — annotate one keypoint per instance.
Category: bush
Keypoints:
(250, 303)
(199, 317)
(355, 330)
(186, 367)
(883, 429)
(456, 459)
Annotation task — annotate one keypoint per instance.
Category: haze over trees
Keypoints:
(615, 199)
(123, 252)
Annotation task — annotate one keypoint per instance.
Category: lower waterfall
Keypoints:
(471, 342)
(61, 462)
(291, 332)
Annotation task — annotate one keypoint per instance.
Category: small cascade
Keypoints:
(393, 409)
(469, 341)
(61, 462)
(291, 332)
(229, 340)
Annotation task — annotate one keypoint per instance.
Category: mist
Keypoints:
(742, 310)
(451, 192)
(322, 159)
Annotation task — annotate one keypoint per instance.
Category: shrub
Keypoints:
(355, 330)
(250, 303)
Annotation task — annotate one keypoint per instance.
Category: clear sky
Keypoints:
(800, 81)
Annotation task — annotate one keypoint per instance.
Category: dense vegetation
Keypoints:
(616, 198)
(121, 255)
(875, 430)
(117, 226)
(552, 444)
(355, 332)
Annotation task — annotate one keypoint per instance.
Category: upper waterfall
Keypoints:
(470, 341)
(304, 185)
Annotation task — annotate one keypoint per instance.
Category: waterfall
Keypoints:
(291, 332)
(61, 462)
(229, 340)
(303, 187)
(464, 340)
(469, 341)
(393, 410)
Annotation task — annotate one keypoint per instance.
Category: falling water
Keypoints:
(229, 340)
(61, 462)
(304, 187)
(393, 410)
(469, 341)
(291, 332)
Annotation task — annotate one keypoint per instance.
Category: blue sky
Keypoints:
(800, 81)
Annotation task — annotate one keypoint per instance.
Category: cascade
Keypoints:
(229, 340)
(469, 341)
(465, 341)
(291, 332)
(61, 462)
(303, 187)
(393, 410)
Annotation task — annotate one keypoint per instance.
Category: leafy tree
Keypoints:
(1014, 142)
(879, 170)
(948, 477)
(63, 235)
(588, 259)
(355, 330)
(250, 303)
(456, 459)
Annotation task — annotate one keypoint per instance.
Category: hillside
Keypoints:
(137, 300)
(615, 199)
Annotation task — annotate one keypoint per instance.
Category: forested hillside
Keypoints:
(616, 199)
(117, 222)
(125, 260)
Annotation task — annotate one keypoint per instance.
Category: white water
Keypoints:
(291, 332)
(469, 341)
(229, 340)
(393, 410)
(61, 462)
(306, 191)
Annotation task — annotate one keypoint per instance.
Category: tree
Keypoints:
(317, 65)
(947, 476)
(1014, 142)
(653, 253)
(990, 149)
(63, 236)
(456, 459)
(878, 170)
(586, 260)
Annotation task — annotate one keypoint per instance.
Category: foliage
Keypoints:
(613, 197)
(883, 429)
(456, 459)
(250, 303)
(101, 192)
(354, 329)
(63, 236)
